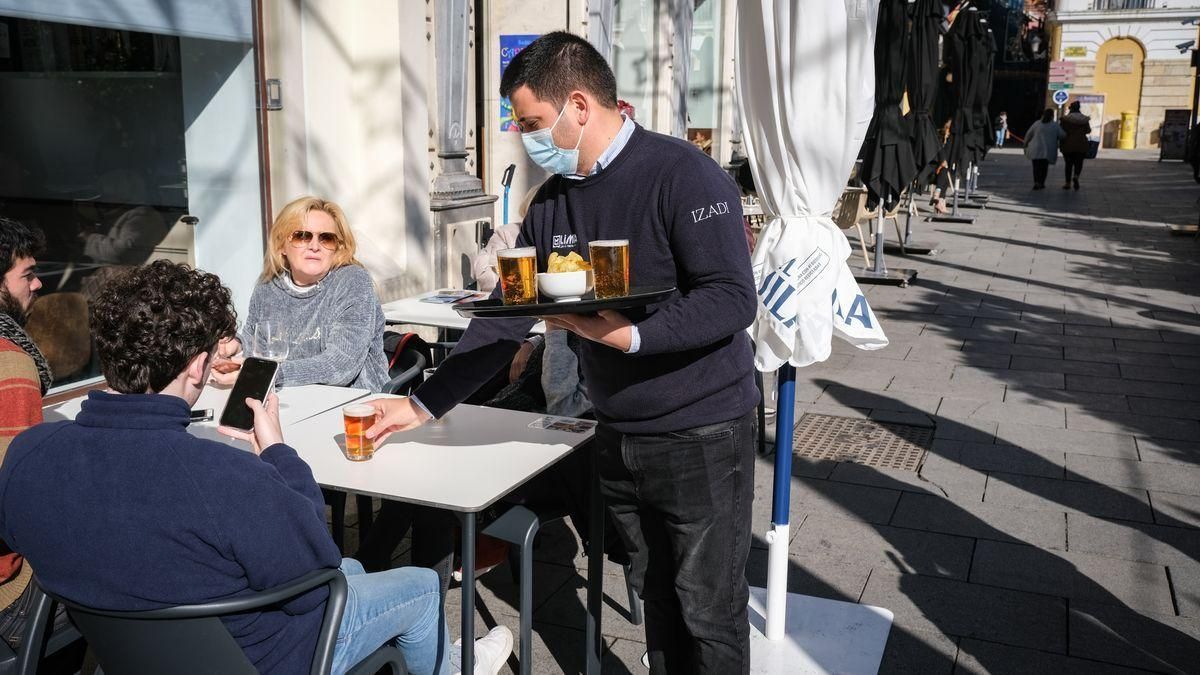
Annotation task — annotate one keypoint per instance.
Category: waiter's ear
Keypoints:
(579, 105)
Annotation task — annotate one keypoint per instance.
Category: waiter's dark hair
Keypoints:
(558, 63)
(1048, 115)
(18, 240)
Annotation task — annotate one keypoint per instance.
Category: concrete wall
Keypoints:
(356, 84)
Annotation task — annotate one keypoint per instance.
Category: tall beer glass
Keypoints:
(518, 275)
(610, 267)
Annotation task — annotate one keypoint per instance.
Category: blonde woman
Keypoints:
(313, 287)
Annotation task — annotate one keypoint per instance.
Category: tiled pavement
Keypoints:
(1055, 526)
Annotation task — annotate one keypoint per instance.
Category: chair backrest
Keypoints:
(852, 208)
(26, 659)
(408, 356)
(191, 639)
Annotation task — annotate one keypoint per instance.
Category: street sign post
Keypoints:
(1060, 97)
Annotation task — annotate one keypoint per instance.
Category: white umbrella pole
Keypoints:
(778, 536)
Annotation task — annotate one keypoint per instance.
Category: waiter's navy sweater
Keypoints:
(123, 509)
(682, 216)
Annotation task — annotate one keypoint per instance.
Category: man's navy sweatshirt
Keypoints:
(124, 510)
(682, 216)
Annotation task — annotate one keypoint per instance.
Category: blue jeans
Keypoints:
(1000, 137)
(401, 605)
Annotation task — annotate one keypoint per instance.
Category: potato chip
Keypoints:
(572, 262)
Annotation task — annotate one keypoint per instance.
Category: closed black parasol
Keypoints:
(921, 79)
(888, 165)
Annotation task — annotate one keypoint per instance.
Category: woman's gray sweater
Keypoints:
(335, 329)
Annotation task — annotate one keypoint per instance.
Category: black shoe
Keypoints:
(1076, 183)
(1039, 187)
(1067, 186)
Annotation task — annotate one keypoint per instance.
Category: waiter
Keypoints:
(672, 384)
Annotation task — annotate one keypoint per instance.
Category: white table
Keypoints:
(411, 311)
(296, 404)
(463, 463)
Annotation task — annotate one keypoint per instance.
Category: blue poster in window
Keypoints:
(510, 46)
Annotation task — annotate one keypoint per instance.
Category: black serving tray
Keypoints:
(496, 309)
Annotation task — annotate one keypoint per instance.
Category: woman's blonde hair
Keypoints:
(290, 219)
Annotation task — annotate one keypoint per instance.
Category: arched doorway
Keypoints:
(1119, 77)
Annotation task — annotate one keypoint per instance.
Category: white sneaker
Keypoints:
(491, 652)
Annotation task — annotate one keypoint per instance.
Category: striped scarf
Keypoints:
(13, 332)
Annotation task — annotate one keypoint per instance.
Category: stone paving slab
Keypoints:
(1134, 474)
(1048, 494)
(1066, 440)
(977, 657)
(1176, 509)
(962, 609)
(1121, 636)
(1077, 576)
(896, 549)
(934, 513)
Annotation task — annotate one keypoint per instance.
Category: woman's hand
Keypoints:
(225, 370)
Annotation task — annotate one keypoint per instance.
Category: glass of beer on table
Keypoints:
(358, 418)
(518, 275)
(610, 267)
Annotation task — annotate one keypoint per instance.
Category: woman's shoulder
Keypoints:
(354, 279)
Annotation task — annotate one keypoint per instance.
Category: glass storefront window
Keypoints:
(116, 142)
(635, 49)
(703, 104)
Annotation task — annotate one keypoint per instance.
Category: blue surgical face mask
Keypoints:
(545, 152)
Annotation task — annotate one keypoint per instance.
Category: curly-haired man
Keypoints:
(145, 515)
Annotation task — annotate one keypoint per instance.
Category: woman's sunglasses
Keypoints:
(302, 238)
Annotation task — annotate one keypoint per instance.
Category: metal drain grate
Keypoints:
(885, 445)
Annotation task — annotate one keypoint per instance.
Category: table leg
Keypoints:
(468, 592)
(595, 588)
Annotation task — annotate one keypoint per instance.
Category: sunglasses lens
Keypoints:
(329, 240)
(300, 237)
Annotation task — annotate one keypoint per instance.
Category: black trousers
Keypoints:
(1041, 167)
(1074, 164)
(681, 502)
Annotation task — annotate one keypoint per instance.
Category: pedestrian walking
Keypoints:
(1075, 145)
(1041, 146)
(1001, 129)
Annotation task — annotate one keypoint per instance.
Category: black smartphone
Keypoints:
(202, 415)
(256, 379)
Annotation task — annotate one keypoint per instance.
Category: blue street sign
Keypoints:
(1061, 96)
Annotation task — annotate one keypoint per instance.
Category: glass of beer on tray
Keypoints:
(358, 418)
(610, 267)
(518, 275)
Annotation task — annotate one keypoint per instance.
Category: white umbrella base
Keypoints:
(820, 636)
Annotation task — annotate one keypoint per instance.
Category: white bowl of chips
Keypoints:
(566, 279)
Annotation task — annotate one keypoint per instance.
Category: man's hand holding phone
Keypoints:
(267, 430)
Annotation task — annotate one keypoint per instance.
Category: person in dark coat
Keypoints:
(1075, 144)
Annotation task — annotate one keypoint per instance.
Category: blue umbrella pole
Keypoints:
(779, 536)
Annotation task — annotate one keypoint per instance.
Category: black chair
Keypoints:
(36, 643)
(192, 640)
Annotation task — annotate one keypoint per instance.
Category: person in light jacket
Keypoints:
(1077, 126)
(1041, 146)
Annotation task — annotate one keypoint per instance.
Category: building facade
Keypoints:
(132, 130)
(1136, 53)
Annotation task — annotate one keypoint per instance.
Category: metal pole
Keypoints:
(908, 214)
(779, 535)
(880, 268)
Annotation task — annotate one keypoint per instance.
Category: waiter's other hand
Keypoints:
(520, 361)
(392, 415)
(608, 327)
